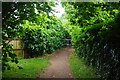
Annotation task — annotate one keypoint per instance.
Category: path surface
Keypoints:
(59, 67)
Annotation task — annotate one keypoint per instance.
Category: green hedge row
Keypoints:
(99, 45)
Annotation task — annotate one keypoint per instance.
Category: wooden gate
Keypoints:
(18, 47)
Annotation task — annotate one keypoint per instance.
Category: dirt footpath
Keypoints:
(59, 67)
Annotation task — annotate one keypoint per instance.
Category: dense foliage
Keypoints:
(94, 30)
(95, 35)
(44, 35)
(13, 14)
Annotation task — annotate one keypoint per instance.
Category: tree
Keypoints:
(13, 15)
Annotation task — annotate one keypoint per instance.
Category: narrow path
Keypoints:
(59, 67)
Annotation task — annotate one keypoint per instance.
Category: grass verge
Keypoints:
(80, 70)
(31, 68)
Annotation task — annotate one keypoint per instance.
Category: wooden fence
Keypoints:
(18, 47)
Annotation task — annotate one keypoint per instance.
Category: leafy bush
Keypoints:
(43, 38)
